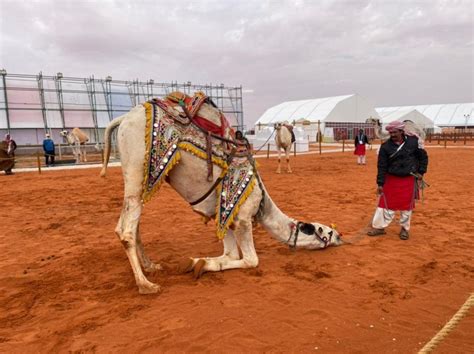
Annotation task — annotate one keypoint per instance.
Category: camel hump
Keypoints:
(79, 134)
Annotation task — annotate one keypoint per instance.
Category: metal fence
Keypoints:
(32, 105)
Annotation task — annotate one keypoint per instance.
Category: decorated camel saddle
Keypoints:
(290, 128)
(173, 124)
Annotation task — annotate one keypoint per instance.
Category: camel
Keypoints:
(77, 140)
(411, 128)
(190, 179)
(284, 139)
(7, 159)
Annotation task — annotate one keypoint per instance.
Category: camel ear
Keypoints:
(334, 226)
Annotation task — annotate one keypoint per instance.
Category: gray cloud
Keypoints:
(393, 52)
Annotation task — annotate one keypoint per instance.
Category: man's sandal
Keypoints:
(376, 232)
(404, 235)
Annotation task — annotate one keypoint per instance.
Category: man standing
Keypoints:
(359, 143)
(7, 147)
(401, 163)
(48, 147)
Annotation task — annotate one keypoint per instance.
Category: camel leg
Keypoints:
(241, 237)
(147, 264)
(231, 252)
(279, 161)
(77, 153)
(127, 233)
(84, 153)
(287, 151)
(244, 238)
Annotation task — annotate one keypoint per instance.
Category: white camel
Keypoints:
(189, 179)
(77, 140)
(410, 128)
(283, 141)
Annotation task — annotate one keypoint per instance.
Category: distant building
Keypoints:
(450, 115)
(339, 117)
(407, 114)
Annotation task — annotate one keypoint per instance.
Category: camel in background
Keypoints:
(411, 128)
(284, 139)
(190, 179)
(77, 140)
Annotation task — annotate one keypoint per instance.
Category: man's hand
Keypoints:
(379, 190)
(417, 175)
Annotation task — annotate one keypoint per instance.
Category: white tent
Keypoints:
(442, 115)
(407, 114)
(349, 108)
(347, 112)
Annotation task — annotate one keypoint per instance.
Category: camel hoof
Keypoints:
(290, 171)
(199, 268)
(185, 266)
(153, 267)
(149, 288)
(278, 172)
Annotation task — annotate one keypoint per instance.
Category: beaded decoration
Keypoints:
(234, 189)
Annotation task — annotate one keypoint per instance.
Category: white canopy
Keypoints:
(407, 114)
(349, 108)
(442, 115)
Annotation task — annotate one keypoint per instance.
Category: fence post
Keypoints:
(343, 144)
(445, 140)
(60, 151)
(268, 150)
(294, 149)
(38, 162)
(465, 136)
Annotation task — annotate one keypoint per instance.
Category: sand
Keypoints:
(66, 284)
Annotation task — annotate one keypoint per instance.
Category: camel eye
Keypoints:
(330, 233)
(320, 230)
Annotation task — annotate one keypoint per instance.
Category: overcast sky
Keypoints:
(392, 52)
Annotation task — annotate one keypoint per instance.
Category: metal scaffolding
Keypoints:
(31, 105)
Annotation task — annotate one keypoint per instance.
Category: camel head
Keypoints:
(64, 133)
(374, 121)
(277, 126)
(313, 236)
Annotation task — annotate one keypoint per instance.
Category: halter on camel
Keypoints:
(308, 229)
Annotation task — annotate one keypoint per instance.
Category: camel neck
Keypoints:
(275, 221)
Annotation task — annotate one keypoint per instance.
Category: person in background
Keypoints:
(48, 147)
(359, 143)
(8, 146)
(402, 162)
(244, 143)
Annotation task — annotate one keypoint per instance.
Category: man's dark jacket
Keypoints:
(409, 159)
(365, 140)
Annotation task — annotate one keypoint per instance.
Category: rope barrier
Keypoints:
(263, 145)
(448, 327)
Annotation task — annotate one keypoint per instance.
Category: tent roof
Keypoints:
(404, 114)
(312, 110)
(443, 115)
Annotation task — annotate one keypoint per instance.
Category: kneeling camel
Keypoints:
(190, 179)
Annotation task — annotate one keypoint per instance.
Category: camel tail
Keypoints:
(107, 141)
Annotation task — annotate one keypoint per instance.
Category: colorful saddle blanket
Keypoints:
(165, 136)
(172, 104)
(232, 192)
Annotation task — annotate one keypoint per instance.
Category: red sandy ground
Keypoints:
(66, 284)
